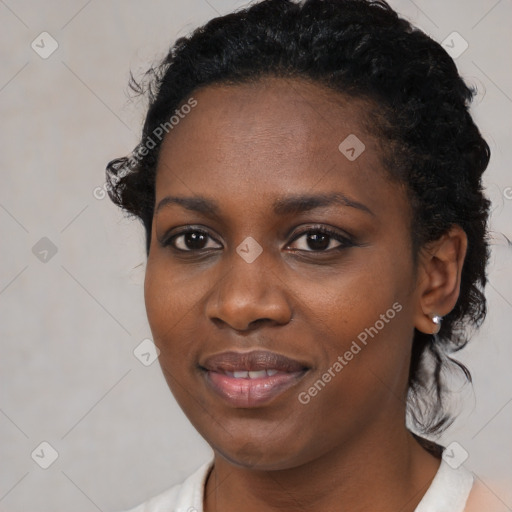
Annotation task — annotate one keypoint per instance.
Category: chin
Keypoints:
(261, 456)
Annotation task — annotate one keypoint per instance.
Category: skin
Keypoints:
(244, 147)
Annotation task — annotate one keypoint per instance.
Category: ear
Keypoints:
(438, 283)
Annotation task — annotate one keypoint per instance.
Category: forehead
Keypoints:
(272, 136)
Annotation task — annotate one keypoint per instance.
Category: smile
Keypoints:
(252, 379)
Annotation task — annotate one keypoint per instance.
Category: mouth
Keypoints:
(251, 379)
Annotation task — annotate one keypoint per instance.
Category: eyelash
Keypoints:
(345, 241)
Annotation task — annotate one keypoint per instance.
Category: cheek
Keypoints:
(353, 298)
(159, 302)
(362, 315)
(168, 302)
(171, 307)
(175, 301)
(364, 335)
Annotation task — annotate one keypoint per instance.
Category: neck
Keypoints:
(370, 474)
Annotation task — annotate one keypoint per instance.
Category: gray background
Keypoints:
(70, 323)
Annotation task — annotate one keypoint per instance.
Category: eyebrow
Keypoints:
(284, 206)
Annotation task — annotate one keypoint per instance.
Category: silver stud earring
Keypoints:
(437, 322)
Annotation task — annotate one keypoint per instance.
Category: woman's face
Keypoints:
(242, 277)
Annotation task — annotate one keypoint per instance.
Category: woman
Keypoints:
(309, 179)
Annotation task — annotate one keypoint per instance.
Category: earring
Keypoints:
(437, 322)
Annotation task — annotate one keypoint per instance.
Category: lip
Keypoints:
(245, 392)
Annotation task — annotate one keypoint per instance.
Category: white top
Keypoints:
(448, 492)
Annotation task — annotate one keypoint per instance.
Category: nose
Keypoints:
(248, 295)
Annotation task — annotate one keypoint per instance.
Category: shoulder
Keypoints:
(448, 491)
(482, 498)
(456, 488)
(184, 497)
(461, 490)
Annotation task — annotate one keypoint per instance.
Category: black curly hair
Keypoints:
(420, 112)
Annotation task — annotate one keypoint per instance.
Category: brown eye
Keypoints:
(192, 240)
(321, 240)
(318, 241)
